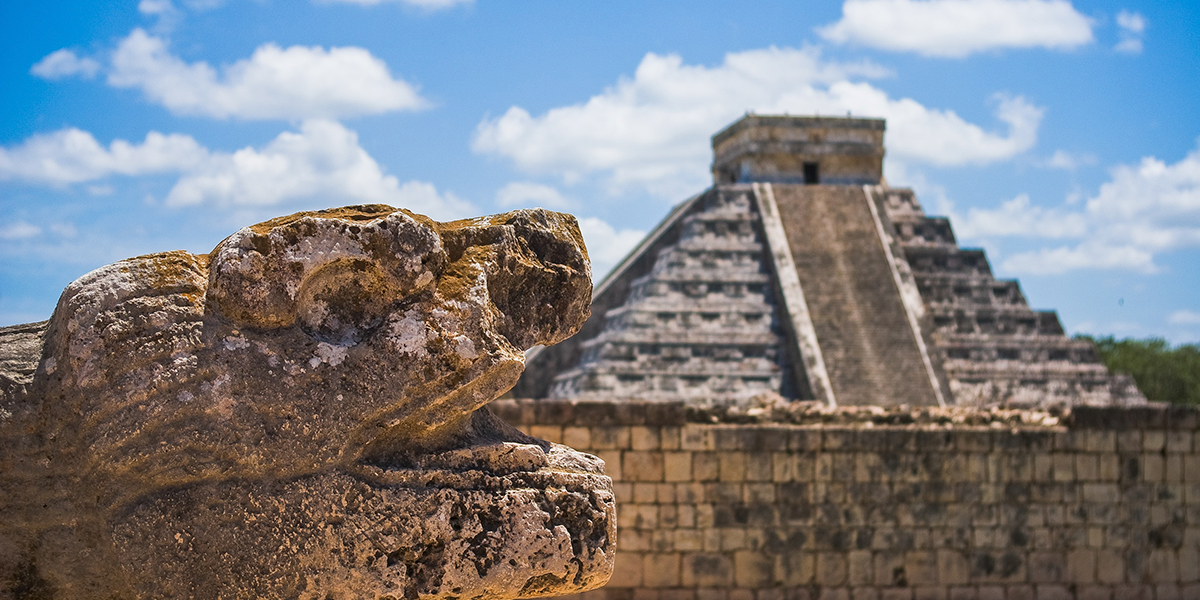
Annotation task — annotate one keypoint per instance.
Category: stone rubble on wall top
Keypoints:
(768, 410)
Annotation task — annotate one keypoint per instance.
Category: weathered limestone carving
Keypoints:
(301, 413)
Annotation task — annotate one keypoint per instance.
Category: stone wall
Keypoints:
(1096, 504)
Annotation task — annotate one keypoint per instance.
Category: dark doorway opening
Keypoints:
(811, 174)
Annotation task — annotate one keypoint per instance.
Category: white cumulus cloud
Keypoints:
(166, 13)
(427, 5)
(65, 63)
(653, 130)
(1184, 317)
(322, 160)
(22, 230)
(297, 82)
(1018, 217)
(1143, 210)
(1131, 27)
(1068, 161)
(1088, 255)
(957, 28)
(72, 155)
(607, 245)
(528, 194)
(156, 7)
(19, 230)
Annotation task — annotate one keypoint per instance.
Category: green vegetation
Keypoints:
(1162, 373)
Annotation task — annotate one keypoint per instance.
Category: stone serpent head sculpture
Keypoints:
(301, 414)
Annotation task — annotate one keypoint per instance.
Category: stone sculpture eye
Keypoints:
(343, 301)
(334, 278)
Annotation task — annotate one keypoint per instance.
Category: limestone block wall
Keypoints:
(1104, 504)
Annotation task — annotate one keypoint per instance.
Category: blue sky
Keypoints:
(1062, 137)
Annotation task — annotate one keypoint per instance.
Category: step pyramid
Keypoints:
(801, 273)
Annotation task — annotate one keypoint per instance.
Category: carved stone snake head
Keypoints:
(301, 413)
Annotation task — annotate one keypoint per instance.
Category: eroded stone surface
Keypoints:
(301, 413)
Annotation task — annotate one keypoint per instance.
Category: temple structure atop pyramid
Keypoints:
(801, 273)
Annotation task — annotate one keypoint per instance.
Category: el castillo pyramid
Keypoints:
(802, 273)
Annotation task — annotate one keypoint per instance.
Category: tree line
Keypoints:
(1163, 373)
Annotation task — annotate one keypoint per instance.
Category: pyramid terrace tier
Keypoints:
(739, 315)
(667, 358)
(726, 248)
(711, 253)
(702, 275)
(924, 231)
(734, 369)
(684, 338)
(994, 321)
(702, 388)
(1017, 348)
(739, 300)
(744, 359)
(899, 203)
(731, 218)
(970, 370)
(662, 371)
(698, 294)
(987, 384)
(725, 213)
(961, 290)
(946, 259)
